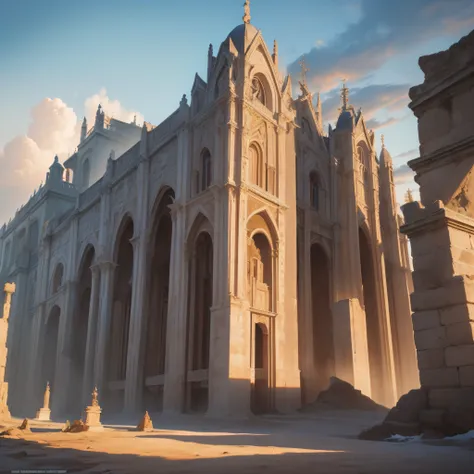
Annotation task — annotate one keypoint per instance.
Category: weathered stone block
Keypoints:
(434, 338)
(460, 333)
(444, 377)
(426, 319)
(458, 356)
(446, 397)
(431, 359)
(457, 314)
(432, 418)
(456, 291)
(466, 376)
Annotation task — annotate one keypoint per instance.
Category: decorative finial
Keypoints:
(246, 16)
(382, 139)
(409, 196)
(56, 159)
(95, 397)
(275, 53)
(304, 70)
(344, 95)
(184, 101)
(135, 119)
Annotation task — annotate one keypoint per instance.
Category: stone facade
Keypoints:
(231, 260)
(441, 232)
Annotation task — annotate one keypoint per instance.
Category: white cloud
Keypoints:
(54, 129)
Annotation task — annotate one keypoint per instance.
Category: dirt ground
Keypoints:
(304, 443)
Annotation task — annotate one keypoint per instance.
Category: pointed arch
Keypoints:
(126, 225)
(158, 276)
(200, 258)
(200, 221)
(261, 221)
(257, 166)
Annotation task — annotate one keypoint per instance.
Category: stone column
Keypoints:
(8, 290)
(134, 382)
(107, 270)
(173, 401)
(62, 377)
(87, 385)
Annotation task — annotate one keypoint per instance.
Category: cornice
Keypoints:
(442, 156)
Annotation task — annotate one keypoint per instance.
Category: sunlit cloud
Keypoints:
(54, 129)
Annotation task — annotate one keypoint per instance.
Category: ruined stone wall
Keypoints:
(441, 231)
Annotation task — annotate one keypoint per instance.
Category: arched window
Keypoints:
(314, 191)
(257, 171)
(86, 171)
(206, 169)
(258, 90)
(58, 278)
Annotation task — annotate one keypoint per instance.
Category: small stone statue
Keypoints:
(47, 394)
(95, 398)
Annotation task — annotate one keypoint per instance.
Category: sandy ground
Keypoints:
(315, 443)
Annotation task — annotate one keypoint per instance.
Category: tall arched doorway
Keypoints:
(199, 323)
(120, 324)
(158, 284)
(323, 341)
(372, 319)
(50, 348)
(79, 329)
(261, 303)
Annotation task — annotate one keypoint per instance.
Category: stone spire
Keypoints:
(246, 16)
(84, 130)
(275, 53)
(56, 171)
(344, 95)
(304, 70)
(210, 61)
(409, 196)
(99, 117)
(385, 157)
(319, 111)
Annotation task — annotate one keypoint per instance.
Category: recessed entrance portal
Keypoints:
(158, 283)
(323, 342)
(372, 319)
(199, 324)
(260, 395)
(48, 370)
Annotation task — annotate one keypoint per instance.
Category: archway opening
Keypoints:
(50, 342)
(260, 402)
(159, 273)
(260, 272)
(120, 324)
(80, 324)
(199, 326)
(323, 342)
(372, 320)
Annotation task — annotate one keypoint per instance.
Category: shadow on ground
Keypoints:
(323, 444)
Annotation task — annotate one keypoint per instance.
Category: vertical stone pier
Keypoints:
(8, 291)
(441, 232)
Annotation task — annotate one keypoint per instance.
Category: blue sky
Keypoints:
(145, 54)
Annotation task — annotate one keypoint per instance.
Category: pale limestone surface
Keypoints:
(8, 291)
(441, 232)
(232, 260)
